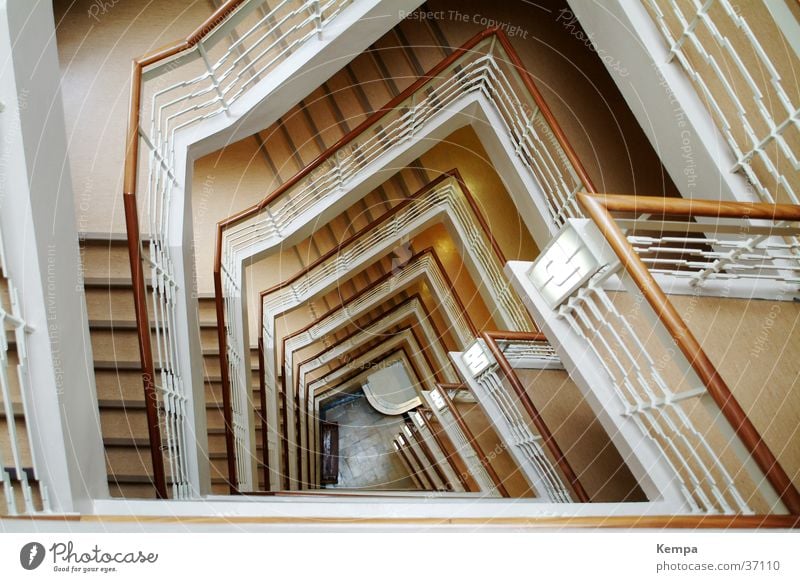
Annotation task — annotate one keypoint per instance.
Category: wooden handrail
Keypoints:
(131, 165)
(484, 460)
(428, 454)
(343, 141)
(462, 478)
(491, 337)
(599, 208)
(419, 462)
(227, 406)
(264, 423)
(415, 474)
(718, 522)
(454, 387)
(545, 110)
(145, 348)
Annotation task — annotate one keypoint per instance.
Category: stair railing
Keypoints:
(23, 466)
(649, 243)
(422, 265)
(477, 462)
(446, 194)
(486, 65)
(173, 88)
(457, 481)
(743, 74)
(495, 384)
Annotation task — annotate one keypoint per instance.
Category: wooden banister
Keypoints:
(418, 460)
(491, 337)
(264, 423)
(599, 208)
(462, 478)
(717, 522)
(428, 454)
(131, 165)
(145, 348)
(401, 449)
(484, 460)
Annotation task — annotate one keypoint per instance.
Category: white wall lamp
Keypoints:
(477, 358)
(437, 399)
(571, 258)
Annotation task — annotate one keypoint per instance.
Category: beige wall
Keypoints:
(96, 55)
(754, 345)
(585, 444)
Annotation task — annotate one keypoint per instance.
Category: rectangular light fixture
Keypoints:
(437, 399)
(566, 263)
(477, 358)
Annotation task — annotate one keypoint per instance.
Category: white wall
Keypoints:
(42, 249)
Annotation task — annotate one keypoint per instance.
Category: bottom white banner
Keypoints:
(402, 556)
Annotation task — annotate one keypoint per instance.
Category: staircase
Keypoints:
(118, 374)
(478, 428)
(112, 324)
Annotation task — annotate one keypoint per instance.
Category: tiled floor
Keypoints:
(367, 458)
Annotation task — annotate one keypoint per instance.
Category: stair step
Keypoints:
(123, 423)
(131, 490)
(323, 118)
